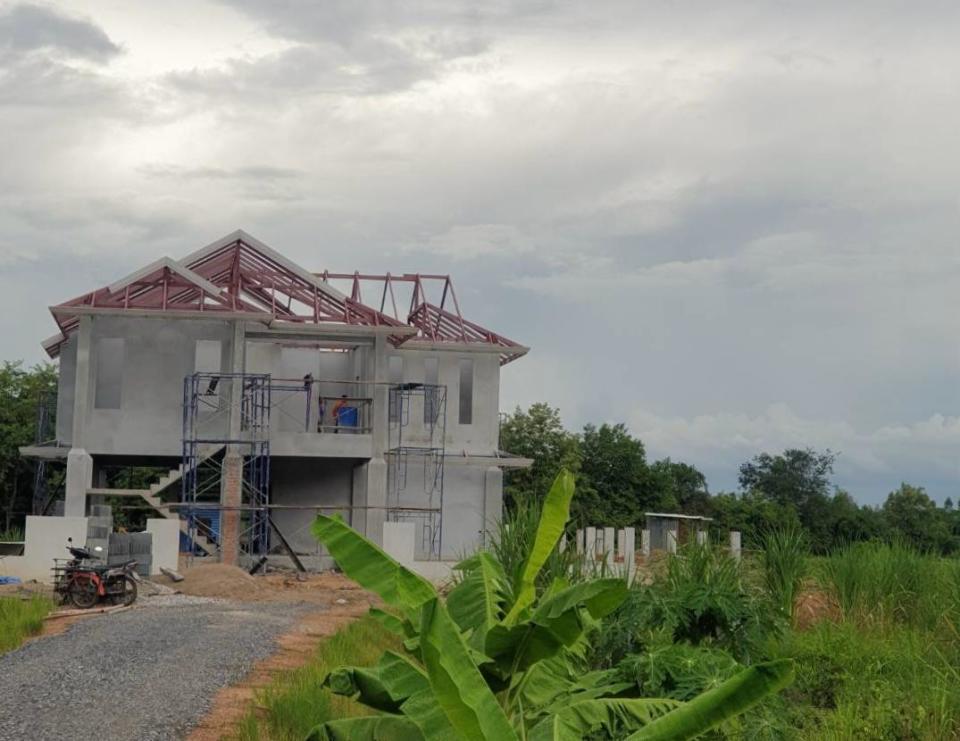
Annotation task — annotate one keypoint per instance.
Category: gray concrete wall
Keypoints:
(308, 482)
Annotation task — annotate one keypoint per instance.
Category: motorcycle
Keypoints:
(84, 582)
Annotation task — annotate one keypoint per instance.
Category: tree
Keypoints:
(797, 478)
(617, 486)
(681, 487)
(20, 391)
(537, 434)
(911, 513)
(948, 504)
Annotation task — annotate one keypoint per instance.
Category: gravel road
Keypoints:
(145, 674)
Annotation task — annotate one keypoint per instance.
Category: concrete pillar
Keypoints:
(492, 500)
(735, 544)
(231, 498)
(671, 541)
(580, 540)
(608, 551)
(376, 490)
(591, 543)
(79, 479)
(629, 550)
(79, 463)
(701, 537)
(380, 412)
(645, 543)
(358, 499)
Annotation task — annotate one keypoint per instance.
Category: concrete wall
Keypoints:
(399, 542)
(45, 539)
(166, 543)
(308, 482)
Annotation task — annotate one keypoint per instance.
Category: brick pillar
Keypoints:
(231, 497)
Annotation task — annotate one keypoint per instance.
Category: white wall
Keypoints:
(45, 540)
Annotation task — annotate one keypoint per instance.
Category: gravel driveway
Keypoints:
(144, 674)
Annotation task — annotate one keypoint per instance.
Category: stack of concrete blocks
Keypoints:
(132, 546)
(99, 528)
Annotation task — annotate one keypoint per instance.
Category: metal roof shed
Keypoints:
(684, 526)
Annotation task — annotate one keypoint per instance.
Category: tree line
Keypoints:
(616, 484)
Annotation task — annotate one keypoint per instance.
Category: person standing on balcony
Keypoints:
(338, 406)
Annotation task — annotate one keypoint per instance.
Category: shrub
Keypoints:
(701, 599)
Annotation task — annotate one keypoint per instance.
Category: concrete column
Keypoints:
(629, 550)
(608, 551)
(358, 499)
(492, 501)
(701, 537)
(79, 479)
(671, 541)
(580, 537)
(236, 388)
(380, 412)
(231, 498)
(376, 489)
(735, 544)
(645, 543)
(79, 463)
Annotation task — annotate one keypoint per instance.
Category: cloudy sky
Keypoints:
(733, 226)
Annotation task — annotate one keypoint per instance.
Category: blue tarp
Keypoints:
(10, 580)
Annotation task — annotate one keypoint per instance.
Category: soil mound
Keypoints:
(225, 581)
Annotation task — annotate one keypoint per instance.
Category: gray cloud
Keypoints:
(27, 28)
(732, 226)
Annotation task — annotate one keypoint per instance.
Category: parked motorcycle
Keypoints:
(84, 580)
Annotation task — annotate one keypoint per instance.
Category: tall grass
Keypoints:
(883, 583)
(784, 560)
(20, 619)
(296, 702)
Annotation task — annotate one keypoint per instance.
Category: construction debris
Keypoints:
(171, 574)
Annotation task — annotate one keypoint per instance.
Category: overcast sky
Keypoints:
(733, 226)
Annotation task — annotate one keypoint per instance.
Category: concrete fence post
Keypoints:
(701, 537)
(590, 545)
(735, 544)
(628, 549)
(580, 536)
(608, 552)
(671, 541)
(645, 543)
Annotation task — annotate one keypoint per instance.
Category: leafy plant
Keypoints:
(702, 599)
(784, 565)
(501, 659)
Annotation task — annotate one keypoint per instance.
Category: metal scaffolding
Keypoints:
(207, 436)
(425, 444)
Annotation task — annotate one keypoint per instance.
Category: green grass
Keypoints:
(296, 702)
(880, 583)
(784, 559)
(20, 619)
(11, 535)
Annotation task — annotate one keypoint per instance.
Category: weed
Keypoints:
(20, 619)
(784, 565)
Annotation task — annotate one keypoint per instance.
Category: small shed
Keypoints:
(683, 527)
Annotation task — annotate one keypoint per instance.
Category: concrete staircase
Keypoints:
(152, 497)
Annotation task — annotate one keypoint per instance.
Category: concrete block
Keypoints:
(101, 510)
(97, 533)
(141, 543)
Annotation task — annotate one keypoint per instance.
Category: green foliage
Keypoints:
(680, 487)
(784, 565)
(702, 599)
(911, 514)
(618, 486)
(20, 619)
(501, 659)
(20, 391)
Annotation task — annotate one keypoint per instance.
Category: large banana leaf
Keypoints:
(384, 687)
(556, 622)
(476, 603)
(613, 715)
(715, 706)
(391, 622)
(458, 686)
(370, 567)
(372, 728)
(553, 520)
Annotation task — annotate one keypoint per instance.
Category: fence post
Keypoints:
(645, 543)
(628, 549)
(701, 537)
(579, 541)
(671, 541)
(590, 546)
(608, 551)
(735, 544)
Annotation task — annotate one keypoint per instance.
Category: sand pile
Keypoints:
(225, 581)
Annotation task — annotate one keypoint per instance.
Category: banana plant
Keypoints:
(495, 660)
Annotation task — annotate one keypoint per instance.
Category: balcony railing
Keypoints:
(321, 407)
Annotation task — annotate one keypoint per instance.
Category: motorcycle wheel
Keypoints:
(129, 594)
(83, 594)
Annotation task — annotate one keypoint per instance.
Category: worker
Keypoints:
(338, 405)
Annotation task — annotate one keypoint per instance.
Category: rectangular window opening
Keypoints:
(466, 391)
(109, 381)
(395, 367)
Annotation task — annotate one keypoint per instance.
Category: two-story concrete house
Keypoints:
(272, 395)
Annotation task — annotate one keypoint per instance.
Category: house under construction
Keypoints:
(272, 393)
